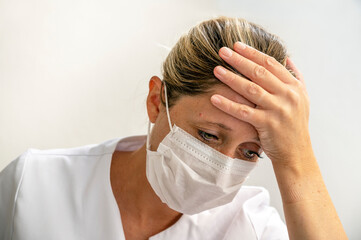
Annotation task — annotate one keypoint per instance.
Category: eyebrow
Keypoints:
(219, 125)
(229, 129)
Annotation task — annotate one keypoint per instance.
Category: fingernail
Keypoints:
(241, 45)
(226, 52)
(215, 99)
(220, 71)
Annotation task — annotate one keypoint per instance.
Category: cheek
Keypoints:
(156, 137)
(158, 132)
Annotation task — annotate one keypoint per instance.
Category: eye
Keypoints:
(207, 136)
(251, 155)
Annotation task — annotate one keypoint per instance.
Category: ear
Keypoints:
(154, 98)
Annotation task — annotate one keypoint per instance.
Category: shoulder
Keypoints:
(39, 178)
(52, 162)
(41, 161)
(105, 147)
(38, 165)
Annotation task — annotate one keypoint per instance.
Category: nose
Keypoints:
(228, 151)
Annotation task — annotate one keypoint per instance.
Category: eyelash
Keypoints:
(253, 152)
(202, 135)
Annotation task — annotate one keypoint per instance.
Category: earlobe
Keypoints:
(153, 99)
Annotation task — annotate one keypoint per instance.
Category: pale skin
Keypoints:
(241, 118)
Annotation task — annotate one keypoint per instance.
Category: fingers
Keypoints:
(272, 87)
(242, 112)
(251, 91)
(293, 67)
(252, 70)
(268, 62)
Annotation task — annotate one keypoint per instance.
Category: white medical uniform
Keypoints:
(66, 194)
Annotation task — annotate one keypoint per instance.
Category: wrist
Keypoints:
(299, 180)
(296, 164)
(296, 156)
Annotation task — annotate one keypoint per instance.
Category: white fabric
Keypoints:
(66, 194)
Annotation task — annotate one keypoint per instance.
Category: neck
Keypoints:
(135, 196)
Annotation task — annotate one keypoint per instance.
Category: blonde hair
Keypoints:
(188, 68)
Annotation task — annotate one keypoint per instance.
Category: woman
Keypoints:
(228, 92)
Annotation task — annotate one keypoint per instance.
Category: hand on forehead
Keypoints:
(229, 93)
(200, 106)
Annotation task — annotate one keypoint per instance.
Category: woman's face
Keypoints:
(197, 116)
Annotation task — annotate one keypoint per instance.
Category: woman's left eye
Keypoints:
(207, 136)
(250, 154)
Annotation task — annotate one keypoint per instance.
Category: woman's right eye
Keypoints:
(207, 136)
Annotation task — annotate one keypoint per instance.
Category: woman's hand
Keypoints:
(281, 119)
(282, 105)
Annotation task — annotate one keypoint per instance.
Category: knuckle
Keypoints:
(253, 88)
(285, 113)
(293, 97)
(270, 61)
(242, 112)
(272, 123)
(238, 60)
(298, 84)
(232, 78)
(259, 71)
(229, 107)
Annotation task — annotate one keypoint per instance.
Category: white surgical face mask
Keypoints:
(190, 176)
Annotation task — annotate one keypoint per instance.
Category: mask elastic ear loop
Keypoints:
(168, 116)
(166, 107)
(148, 135)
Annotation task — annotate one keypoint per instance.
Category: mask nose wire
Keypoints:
(166, 107)
(168, 116)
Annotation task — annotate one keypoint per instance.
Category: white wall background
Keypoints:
(76, 72)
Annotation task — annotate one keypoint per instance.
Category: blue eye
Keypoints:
(207, 136)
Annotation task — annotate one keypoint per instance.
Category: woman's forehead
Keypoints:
(199, 109)
(201, 104)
